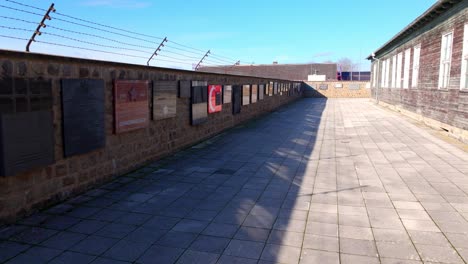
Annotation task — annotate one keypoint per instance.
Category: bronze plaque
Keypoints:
(245, 94)
(83, 115)
(130, 105)
(26, 141)
(254, 96)
(164, 99)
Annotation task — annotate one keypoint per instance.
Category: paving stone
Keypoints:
(322, 229)
(244, 249)
(72, 258)
(312, 256)
(146, 235)
(221, 230)
(321, 243)
(438, 254)
(226, 259)
(161, 255)
(33, 235)
(116, 230)
(281, 253)
(358, 247)
(354, 259)
(399, 250)
(197, 257)
(286, 238)
(10, 249)
(127, 250)
(192, 226)
(252, 234)
(94, 245)
(87, 227)
(355, 232)
(60, 222)
(210, 244)
(36, 255)
(177, 239)
(63, 240)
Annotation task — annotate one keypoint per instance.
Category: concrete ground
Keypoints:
(337, 181)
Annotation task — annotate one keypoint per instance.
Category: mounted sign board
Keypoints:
(338, 85)
(25, 95)
(164, 99)
(83, 115)
(184, 89)
(199, 107)
(130, 105)
(214, 99)
(227, 94)
(245, 94)
(26, 141)
(236, 99)
(254, 90)
(353, 86)
(275, 88)
(270, 89)
(261, 91)
(323, 86)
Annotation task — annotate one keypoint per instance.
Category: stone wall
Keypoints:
(337, 89)
(36, 188)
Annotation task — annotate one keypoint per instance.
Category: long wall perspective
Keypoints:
(41, 168)
(422, 71)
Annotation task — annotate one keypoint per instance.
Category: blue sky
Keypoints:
(293, 31)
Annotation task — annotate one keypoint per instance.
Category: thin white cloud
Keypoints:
(117, 3)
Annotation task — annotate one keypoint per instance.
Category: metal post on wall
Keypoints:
(155, 53)
(41, 25)
(206, 55)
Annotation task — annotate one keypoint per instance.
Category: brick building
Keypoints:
(422, 71)
(297, 72)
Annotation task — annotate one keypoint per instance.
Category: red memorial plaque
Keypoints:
(131, 105)
(215, 103)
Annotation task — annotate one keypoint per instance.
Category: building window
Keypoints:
(464, 67)
(382, 80)
(406, 68)
(445, 60)
(416, 58)
(394, 70)
(374, 72)
(398, 70)
(387, 73)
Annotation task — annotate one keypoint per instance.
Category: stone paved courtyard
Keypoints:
(320, 181)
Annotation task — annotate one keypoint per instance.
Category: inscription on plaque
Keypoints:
(199, 109)
(245, 94)
(338, 85)
(354, 86)
(261, 91)
(236, 99)
(254, 96)
(83, 115)
(164, 99)
(130, 105)
(25, 95)
(214, 99)
(26, 141)
(323, 86)
(184, 89)
(227, 94)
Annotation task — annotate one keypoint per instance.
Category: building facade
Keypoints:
(297, 72)
(423, 70)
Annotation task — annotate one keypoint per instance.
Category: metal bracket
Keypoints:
(155, 53)
(42, 24)
(206, 55)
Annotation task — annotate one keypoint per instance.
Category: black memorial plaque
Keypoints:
(184, 89)
(323, 86)
(245, 94)
(83, 115)
(227, 94)
(199, 108)
(261, 91)
(164, 99)
(26, 141)
(25, 95)
(236, 99)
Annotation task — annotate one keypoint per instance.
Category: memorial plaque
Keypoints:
(199, 108)
(227, 94)
(261, 91)
(338, 85)
(254, 96)
(245, 94)
(236, 99)
(270, 89)
(184, 89)
(83, 115)
(25, 95)
(130, 105)
(26, 141)
(275, 88)
(215, 103)
(354, 86)
(164, 99)
(323, 86)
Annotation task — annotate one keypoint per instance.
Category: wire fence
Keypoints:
(64, 34)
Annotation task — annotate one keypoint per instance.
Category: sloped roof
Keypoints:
(435, 11)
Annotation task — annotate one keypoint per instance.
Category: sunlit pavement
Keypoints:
(320, 181)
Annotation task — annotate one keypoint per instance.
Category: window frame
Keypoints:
(406, 68)
(445, 63)
(416, 65)
(464, 62)
(399, 69)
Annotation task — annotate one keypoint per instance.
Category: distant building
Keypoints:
(297, 72)
(423, 70)
(353, 76)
